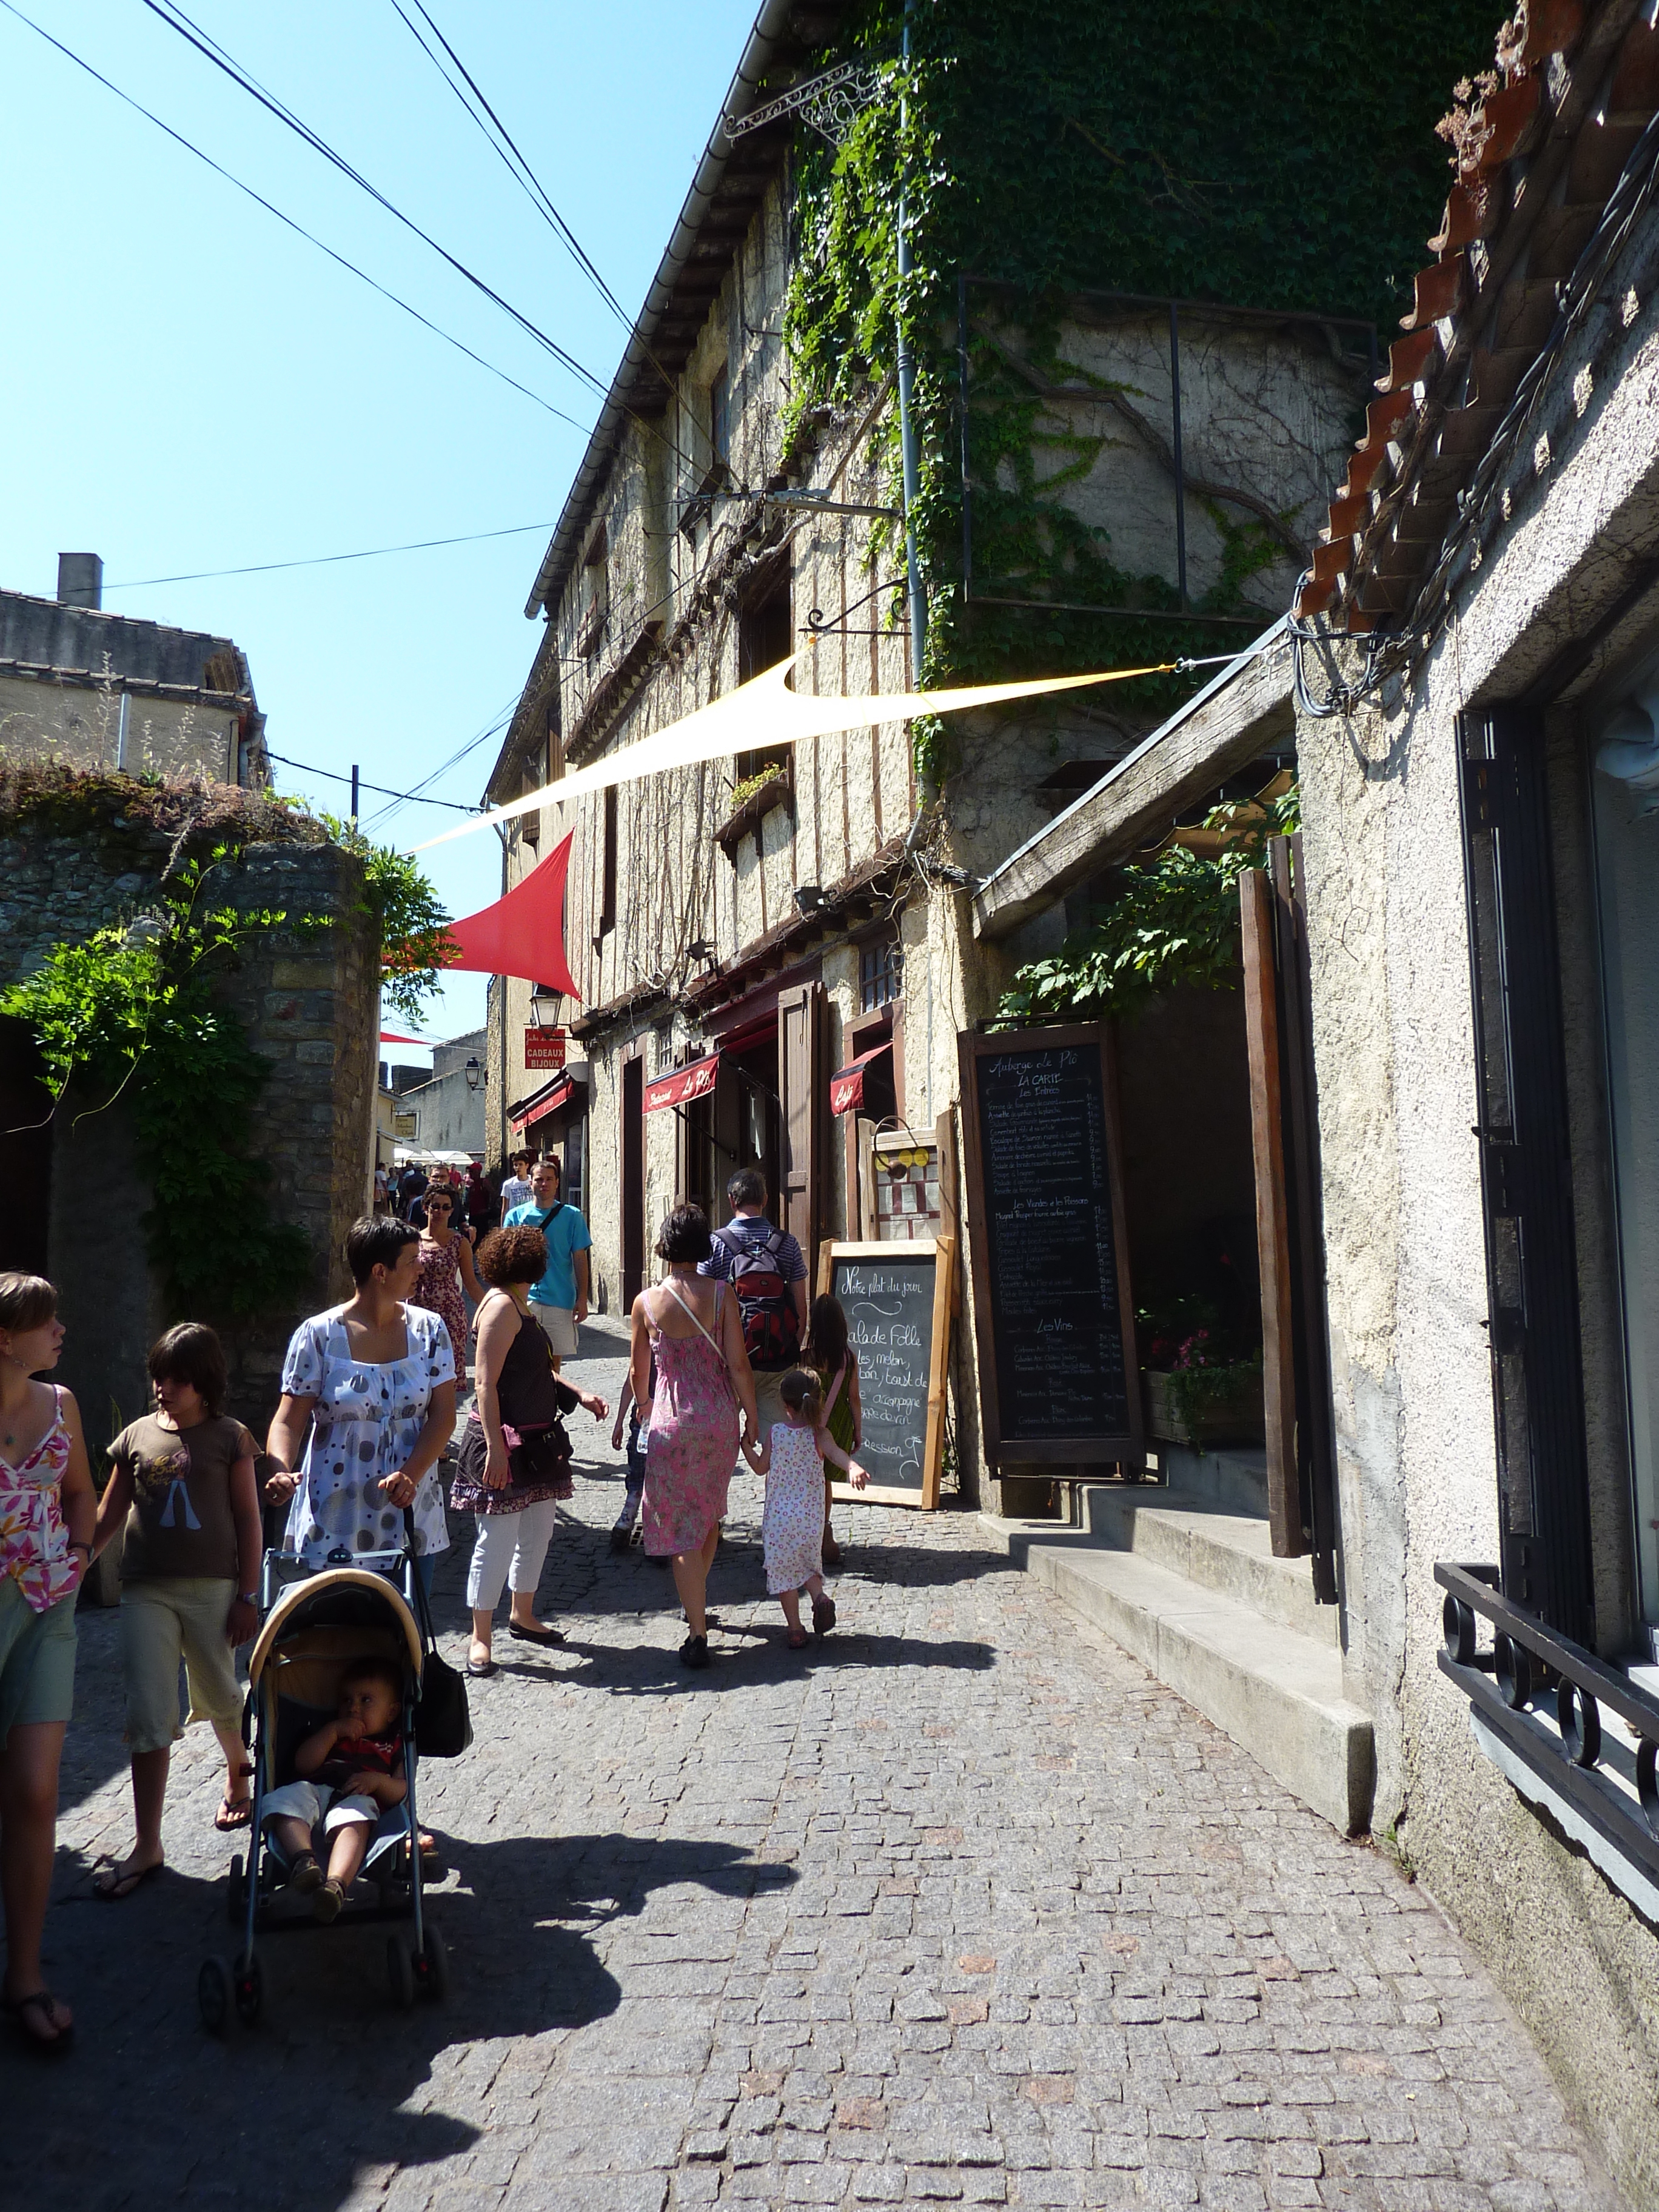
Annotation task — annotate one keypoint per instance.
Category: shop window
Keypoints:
(1626, 774)
(881, 974)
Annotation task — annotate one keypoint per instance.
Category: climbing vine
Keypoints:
(1174, 922)
(129, 1014)
(1265, 156)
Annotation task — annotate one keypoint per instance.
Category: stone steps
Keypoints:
(1197, 1597)
(1231, 1553)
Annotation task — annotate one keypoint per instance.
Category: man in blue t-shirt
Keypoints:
(559, 1300)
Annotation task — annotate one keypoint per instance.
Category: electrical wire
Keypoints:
(512, 159)
(168, 12)
(326, 560)
(334, 776)
(287, 221)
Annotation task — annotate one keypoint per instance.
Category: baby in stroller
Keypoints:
(349, 1773)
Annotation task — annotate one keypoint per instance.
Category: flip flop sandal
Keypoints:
(823, 1615)
(798, 1639)
(234, 1812)
(44, 2003)
(118, 1886)
(535, 1635)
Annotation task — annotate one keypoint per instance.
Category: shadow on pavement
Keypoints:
(148, 2108)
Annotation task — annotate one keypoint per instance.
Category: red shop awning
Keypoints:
(846, 1084)
(684, 1084)
(540, 1103)
(523, 934)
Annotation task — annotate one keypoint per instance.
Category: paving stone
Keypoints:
(957, 1907)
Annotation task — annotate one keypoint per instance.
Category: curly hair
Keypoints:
(512, 1256)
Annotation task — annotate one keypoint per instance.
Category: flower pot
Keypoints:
(1230, 1415)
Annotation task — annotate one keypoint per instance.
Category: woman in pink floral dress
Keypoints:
(446, 1261)
(690, 1421)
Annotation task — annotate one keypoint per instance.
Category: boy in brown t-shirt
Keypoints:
(182, 1480)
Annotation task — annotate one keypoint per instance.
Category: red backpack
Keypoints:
(771, 1328)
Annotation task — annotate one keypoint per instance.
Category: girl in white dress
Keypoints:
(792, 1528)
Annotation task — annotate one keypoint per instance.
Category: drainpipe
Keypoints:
(907, 430)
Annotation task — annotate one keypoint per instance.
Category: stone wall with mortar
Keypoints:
(1405, 1258)
(309, 1007)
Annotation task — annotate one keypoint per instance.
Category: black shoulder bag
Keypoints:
(443, 1722)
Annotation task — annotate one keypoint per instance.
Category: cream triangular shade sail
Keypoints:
(766, 712)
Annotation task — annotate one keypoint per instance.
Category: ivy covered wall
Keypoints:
(1269, 156)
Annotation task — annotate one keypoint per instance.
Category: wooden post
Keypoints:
(1272, 1214)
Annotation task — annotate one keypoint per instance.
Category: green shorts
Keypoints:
(37, 1660)
(164, 1619)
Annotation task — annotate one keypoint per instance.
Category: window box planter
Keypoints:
(1226, 1408)
(778, 790)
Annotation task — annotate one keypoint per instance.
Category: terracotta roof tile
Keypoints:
(1538, 148)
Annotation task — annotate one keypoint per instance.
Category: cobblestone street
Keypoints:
(960, 1906)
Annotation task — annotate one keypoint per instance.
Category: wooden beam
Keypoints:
(1272, 1228)
(1247, 709)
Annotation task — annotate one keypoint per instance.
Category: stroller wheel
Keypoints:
(250, 1985)
(400, 1972)
(236, 1891)
(213, 1996)
(432, 1965)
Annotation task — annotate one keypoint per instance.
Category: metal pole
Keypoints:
(354, 791)
(1174, 440)
(907, 415)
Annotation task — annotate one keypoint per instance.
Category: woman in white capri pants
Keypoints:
(514, 1462)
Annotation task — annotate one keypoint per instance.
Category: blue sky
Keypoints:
(189, 387)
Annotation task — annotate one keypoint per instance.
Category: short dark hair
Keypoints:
(374, 1670)
(376, 1241)
(512, 1256)
(800, 1391)
(746, 1188)
(684, 1235)
(551, 1161)
(517, 1157)
(27, 1302)
(192, 1354)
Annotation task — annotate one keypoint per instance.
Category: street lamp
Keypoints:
(543, 1007)
(473, 1073)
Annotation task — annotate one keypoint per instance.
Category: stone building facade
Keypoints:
(308, 1001)
(786, 911)
(95, 689)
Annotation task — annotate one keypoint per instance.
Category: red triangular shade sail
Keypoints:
(523, 934)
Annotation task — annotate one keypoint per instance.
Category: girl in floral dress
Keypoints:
(690, 1411)
(791, 1529)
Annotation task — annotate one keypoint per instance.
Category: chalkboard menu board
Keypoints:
(1052, 1301)
(896, 1300)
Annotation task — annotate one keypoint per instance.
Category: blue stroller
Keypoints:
(317, 1627)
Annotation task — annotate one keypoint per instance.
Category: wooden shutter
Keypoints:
(1290, 1232)
(1526, 1189)
(802, 1090)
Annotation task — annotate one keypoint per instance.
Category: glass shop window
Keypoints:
(1625, 775)
(881, 975)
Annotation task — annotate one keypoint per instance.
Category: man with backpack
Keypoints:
(764, 1267)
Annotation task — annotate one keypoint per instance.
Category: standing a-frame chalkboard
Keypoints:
(897, 1298)
(1053, 1315)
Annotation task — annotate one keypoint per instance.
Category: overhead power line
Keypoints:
(167, 12)
(326, 560)
(332, 776)
(298, 228)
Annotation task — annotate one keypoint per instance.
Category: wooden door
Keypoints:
(802, 1096)
(1289, 1235)
(632, 1150)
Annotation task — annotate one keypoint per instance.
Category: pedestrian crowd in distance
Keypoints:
(727, 1359)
